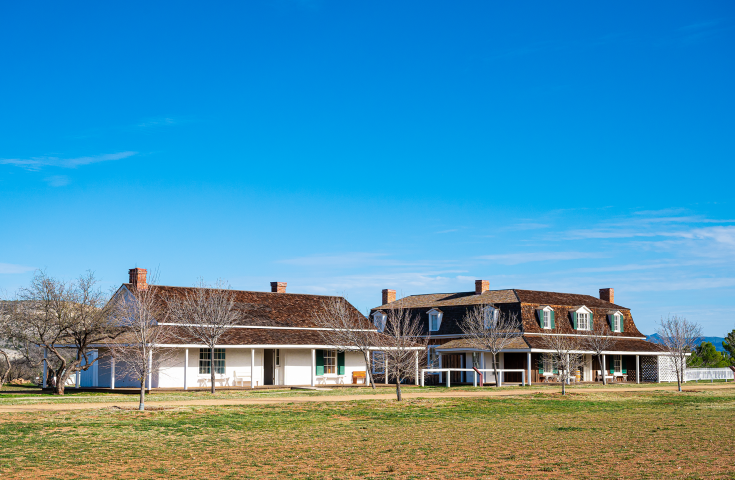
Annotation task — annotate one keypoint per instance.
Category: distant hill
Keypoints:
(716, 341)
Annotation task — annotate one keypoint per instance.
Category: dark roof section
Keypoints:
(517, 342)
(451, 299)
(566, 299)
(269, 309)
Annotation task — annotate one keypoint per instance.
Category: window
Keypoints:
(379, 320)
(330, 361)
(434, 320)
(491, 317)
(278, 357)
(583, 321)
(379, 363)
(433, 357)
(618, 363)
(205, 363)
(546, 319)
(617, 320)
(549, 366)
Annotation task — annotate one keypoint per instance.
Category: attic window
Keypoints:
(379, 319)
(435, 320)
(546, 317)
(617, 322)
(491, 317)
(583, 321)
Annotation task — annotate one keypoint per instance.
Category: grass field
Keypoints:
(589, 434)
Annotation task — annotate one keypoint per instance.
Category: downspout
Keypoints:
(480, 374)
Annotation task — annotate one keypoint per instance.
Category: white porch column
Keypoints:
(417, 367)
(150, 369)
(569, 371)
(45, 367)
(482, 366)
(313, 367)
(112, 373)
(252, 368)
(367, 368)
(637, 369)
(186, 365)
(385, 358)
(604, 358)
(441, 374)
(528, 364)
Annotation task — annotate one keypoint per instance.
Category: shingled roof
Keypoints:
(268, 309)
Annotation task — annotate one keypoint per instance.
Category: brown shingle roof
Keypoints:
(452, 299)
(269, 309)
(620, 345)
(518, 342)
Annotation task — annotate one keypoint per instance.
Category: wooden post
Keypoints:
(112, 373)
(604, 358)
(637, 369)
(150, 370)
(313, 367)
(528, 363)
(186, 365)
(417, 368)
(45, 367)
(252, 368)
(482, 367)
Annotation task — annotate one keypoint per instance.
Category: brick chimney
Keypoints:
(481, 286)
(607, 294)
(138, 278)
(278, 287)
(389, 296)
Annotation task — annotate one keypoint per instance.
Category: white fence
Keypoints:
(448, 370)
(695, 374)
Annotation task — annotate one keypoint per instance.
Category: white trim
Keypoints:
(305, 347)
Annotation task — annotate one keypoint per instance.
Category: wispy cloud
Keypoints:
(11, 268)
(447, 231)
(158, 122)
(57, 180)
(516, 258)
(526, 226)
(359, 259)
(37, 163)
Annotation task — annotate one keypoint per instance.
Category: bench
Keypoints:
(338, 379)
(240, 381)
(359, 376)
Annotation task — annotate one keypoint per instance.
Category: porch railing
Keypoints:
(498, 378)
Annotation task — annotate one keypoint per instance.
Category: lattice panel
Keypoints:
(666, 370)
(649, 369)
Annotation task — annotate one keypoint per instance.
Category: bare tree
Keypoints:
(138, 311)
(5, 365)
(344, 326)
(205, 313)
(491, 330)
(65, 319)
(679, 336)
(566, 352)
(403, 343)
(598, 341)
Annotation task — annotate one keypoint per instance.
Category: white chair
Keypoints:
(239, 381)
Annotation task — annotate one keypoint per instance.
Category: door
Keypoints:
(268, 366)
(514, 360)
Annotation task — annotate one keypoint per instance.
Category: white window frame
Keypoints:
(546, 317)
(205, 362)
(618, 364)
(277, 355)
(617, 322)
(548, 360)
(583, 318)
(331, 354)
(379, 319)
(435, 314)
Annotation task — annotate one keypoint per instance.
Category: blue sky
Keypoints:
(346, 147)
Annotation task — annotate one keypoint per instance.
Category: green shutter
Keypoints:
(611, 322)
(552, 319)
(611, 367)
(541, 364)
(592, 317)
(540, 315)
(319, 363)
(574, 319)
(556, 367)
(622, 365)
(622, 323)
(341, 363)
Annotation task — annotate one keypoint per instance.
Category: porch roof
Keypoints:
(536, 343)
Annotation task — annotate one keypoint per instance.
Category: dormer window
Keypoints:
(379, 319)
(582, 318)
(616, 322)
(546, 317)
(435, 320)
(491, 317)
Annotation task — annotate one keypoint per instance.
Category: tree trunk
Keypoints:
(141, 405)
(366, 356)
(60, 381)
(564, 383)
(4, 376)
(398, 390)
(211, 367)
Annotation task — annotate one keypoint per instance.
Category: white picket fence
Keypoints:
(695, 374)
